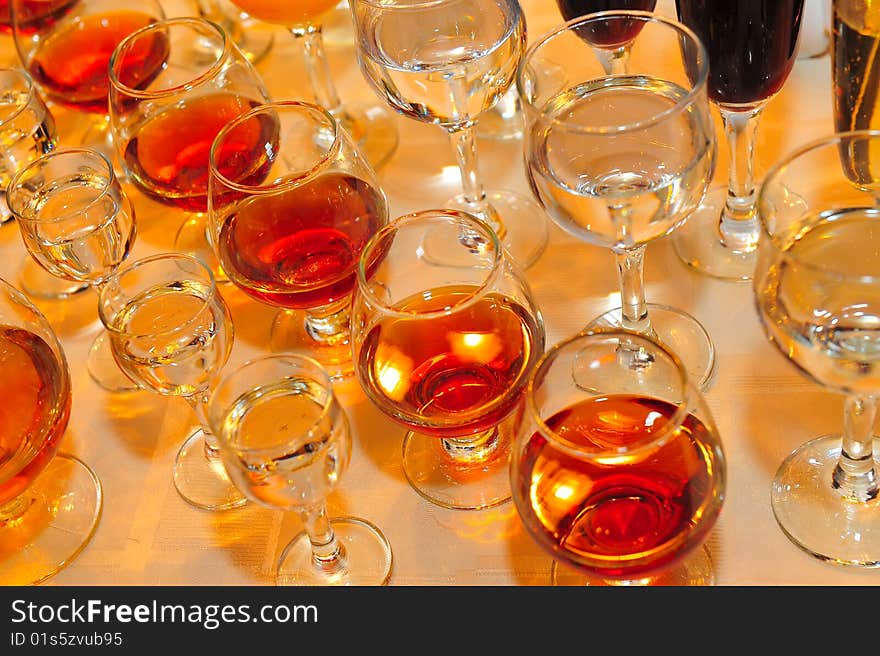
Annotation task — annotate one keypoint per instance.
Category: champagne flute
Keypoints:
(621, 160)
(447, 62)
(752, 47)
(372, 128)
(171, 332)
(286, 443)
(50, 503)
(445, 349)
(817, 292)
(78, 224)
(619, 476)
(292, 201)
(163, 129)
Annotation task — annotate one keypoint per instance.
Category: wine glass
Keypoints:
(447, 62)
(817, 292)
(619, 476)
(163, 128)
(286, 442)
(171, 332)
(372, 128)
(78, 224)
(752, 48)
(621, 160)
(292, 202)
(445, 350)
(50, 503)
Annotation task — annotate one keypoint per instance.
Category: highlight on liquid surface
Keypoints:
(35, 390)
(451, 374)
(299, 248)
(627, 515)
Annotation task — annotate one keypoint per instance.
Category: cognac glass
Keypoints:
(50, 503)
(77, 223)
(817, 292)
(163, 130)
(621, 160)
(171, 332)
(292, 204)
(619, 477)
(286, 443)
(445, 350)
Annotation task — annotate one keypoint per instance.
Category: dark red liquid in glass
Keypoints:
(605, 34)
(32, 15)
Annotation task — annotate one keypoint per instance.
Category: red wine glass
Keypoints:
(752, 47)
(292, 202)
(619, 477)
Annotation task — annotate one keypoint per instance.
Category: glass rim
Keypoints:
(607, 455)
(163, 24)
(690, 98)
(31, 92)
(145, 261)
(318, 372)
(289, 182)
(52, 155)
(777, 170)
(415, 217)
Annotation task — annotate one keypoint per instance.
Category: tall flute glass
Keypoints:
(292, 202)
(447, 62)
(372, 128)
(286, 442)
(50, 503)
(752, 47)
(621, 160)
(171, 332)
(618, 476)
(78, 224)
(445, 350)
(817, 292)
(163, 130)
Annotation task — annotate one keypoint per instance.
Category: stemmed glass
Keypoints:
(752, 48)
(445, 349)
(163, 129)
(292, 203)
(77, 223)
(50, 504)
(372, 128)
(617, 475)
(286, 443)
(621, 160)
(171, 332)
(817, 292)
(447, 62)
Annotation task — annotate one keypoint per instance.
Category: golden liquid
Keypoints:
(289, 13)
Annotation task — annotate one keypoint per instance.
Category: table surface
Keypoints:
(763, 407)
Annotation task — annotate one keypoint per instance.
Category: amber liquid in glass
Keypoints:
(33, 15)
(289, 14)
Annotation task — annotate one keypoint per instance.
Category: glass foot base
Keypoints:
(367, 557)
(815, 516)
(698, 242)
(695, 570)
(66, 502)
(524, 221)
(289, 335)
(36, 282)
(682, 333)
(103, 368)
(456, 485)
(192, 239)
(203, 482)
(374, 130)
(255, 44)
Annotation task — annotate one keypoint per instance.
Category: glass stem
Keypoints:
(631, 278)
(199, 403)
(464, 142)
(615, 62)
(329, 324)
(328, 554)
(473, 448)
(855, 475)
(739, 221)
(318, 70)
